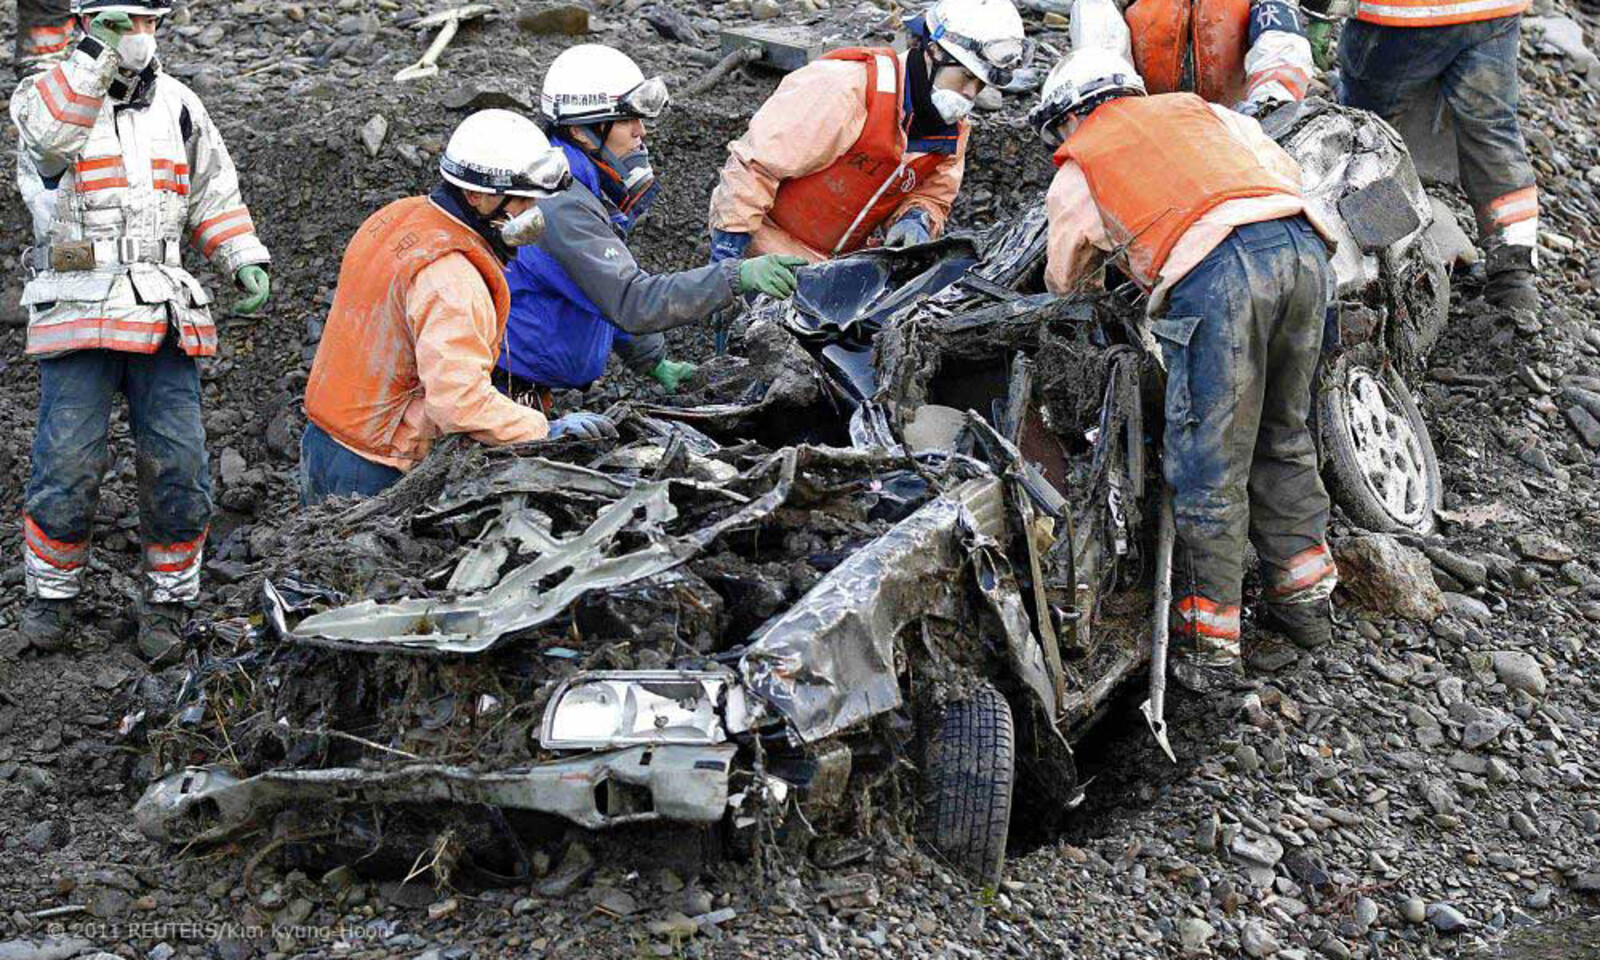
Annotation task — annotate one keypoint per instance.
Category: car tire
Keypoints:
(969, 766)
(1378, 456)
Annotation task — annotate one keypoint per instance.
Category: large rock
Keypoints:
(1387, 577)
(1519, 671)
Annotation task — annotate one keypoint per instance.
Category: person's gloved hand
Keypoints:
(908, 231)
(1319, 33)
(257, 287)
(728, 246)
(583, 425)
(670, 373)
(109, 27)
(772, 275)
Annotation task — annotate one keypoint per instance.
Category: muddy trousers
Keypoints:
(1385, 69)
(44, 29)
(1240, 339)
(330, 469)
(70, 457)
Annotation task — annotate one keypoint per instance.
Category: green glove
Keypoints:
(670, 373)
(257, 285)
(1320, 34)
(772, 275)
(109, 27)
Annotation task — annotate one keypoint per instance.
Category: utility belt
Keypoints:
(81, 255)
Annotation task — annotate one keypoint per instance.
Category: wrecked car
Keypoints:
(908, 530)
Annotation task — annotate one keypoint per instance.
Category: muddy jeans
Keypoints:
(1241, 338)
(329, 469)
(71, 455)
(1385, 69)
(44, 28)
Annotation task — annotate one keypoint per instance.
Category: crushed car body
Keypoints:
(924, 484)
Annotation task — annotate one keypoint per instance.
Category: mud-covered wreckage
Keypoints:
(909, 524)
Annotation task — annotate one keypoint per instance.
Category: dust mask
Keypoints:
(136, 50)
(951, 105)
(524, 229)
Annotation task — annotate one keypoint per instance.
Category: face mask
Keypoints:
(137, 50)
(952, 106)
(631, 181)
(524, 229)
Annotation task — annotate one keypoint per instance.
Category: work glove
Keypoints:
(109, 27)
(909, 230)
(583, 425)
(728, 246)
(772, 275)
(257, 287)
(1319, 32)
(670, 373)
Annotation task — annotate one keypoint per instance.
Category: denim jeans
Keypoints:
(1241, 338)
(70, 456)
(329, 469)
(1384, 69)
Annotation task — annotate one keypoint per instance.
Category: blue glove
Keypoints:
(909, 230)
(584, 426)
(728, 246)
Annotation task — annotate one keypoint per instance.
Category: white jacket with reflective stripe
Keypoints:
(92, 167)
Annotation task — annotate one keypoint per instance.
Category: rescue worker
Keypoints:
(1198, 207)
(44, 32)
(118, 163)
(419, 313)
(1392, 53)
(578, 295)
(1245, 54)
(865, 138)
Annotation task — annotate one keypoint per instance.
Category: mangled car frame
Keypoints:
(907, 529)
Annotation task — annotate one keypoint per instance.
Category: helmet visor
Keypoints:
(545, 175)
(1000, 57)
(646, 100)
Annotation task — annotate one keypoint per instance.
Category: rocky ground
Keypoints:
(1425, 787)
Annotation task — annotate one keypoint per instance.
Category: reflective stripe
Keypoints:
(888, 73)
(170, 175)
(97, 333)
(1305, 569)
(1524, 233)
(212, 233)
(43, 41)
(1515, 207)
(64, 104)
(1293, 79)
(1203, 618)
(58, 554)
(100, 173)
(1401, 13)
(173, 557)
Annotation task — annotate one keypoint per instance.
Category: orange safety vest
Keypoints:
(1209, 37)
(1201, 166)
(1436, 13)
(837, 208)
(365, 376)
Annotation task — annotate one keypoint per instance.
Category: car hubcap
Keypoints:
(1387, 449)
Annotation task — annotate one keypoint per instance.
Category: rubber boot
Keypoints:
(45, 623)
(160, 637)
(1308, 625)
(1510, 285)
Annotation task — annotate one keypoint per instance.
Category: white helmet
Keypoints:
(594, 83)
(497, 151)
(136, 8)
(985, 36)
(1081, 80)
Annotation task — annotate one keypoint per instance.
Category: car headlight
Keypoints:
(621, 708)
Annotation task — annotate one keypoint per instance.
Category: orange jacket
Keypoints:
(1202, 166)
(820, 149)
(1211, 40)
(1436, 13)
(414, 332)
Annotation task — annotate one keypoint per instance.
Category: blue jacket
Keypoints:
(578, 292)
